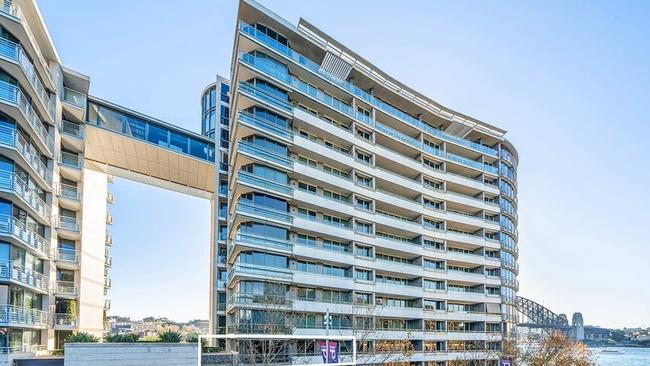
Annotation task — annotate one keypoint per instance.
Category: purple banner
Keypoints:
(330, 355)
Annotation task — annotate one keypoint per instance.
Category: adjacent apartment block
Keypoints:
(343, 202)
(358, 205)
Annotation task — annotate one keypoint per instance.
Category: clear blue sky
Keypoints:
(570, 81)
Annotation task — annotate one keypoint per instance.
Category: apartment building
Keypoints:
(357, 202)
(341, 199)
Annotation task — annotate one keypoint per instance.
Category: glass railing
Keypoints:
(14, 52)
(472, 163)
(340, 224)
(9, 137)
(74, 97)
(255, 269)
(358, 92)
(67, 288)
(19, 273)
(12, 94)
(252, 209)
(71, 160)
(507, 156)
(16, 228)
(72, 129)
(10, 315)
(263, 241)
(66, 255)
(108, 282)
(250, 148)
(69, 191)
(11, 182)
(258, 93)
(259, 122)
(65, 320)
(251, 179)
(399, 135)
(67, 223)
(505, 171)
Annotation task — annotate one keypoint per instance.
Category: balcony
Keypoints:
(108, 241)
(25, 155)
(257, 271)
(66, 289)
(107, 283)
(263, 242)
(69, 196)
(14, 53)
(108, 261)
(23, 111)
(107, 304)
(72, 135)
(257, 183)
(74, 103)
(19, 233)
(262, 125)
(258, 153)
(66, 256)
(26, 277)
(65, 321)
(18, 316)
(259, 95)
(249, 209)
(69, 226)
(315, 68)
(70, 165)
(14, 185)
(110, 199)
(109, 218)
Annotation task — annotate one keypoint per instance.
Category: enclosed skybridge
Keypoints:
(131, 145)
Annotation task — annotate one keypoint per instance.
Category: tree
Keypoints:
(81, 337)
(122, 338)
(170, 336)
(553, 349)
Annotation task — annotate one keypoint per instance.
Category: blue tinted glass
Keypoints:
(157, 135)
(199, 149)
(178, 142)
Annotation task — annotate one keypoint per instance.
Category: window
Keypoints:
(335, 245)
(335, 221)
(307, 109)
(336, 147)
(363, 115)
(306, 160)
(306, 294)
(434, 264)
(336, 297)
(363, 275)
(434, 244)
(432, 164)
(364, 180)
(362, 251)
(307, 214)
(437, 185)
(361, 133)
(335, 171)
(307, 135)
(436, 205)
(434, 304)
(273, 35)
(307, 187)
(363, 298)
(308, 240)
(434, 285)
(263, 259)
(364, 157)
(364, 204)
(364, 228)
(335, 196)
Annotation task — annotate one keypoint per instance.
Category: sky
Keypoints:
(569, 80)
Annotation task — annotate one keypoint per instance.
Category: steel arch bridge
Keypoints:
(535, 315)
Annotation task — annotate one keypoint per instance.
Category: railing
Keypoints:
(255, 92)
(263, 241)
(108, 282)
(69, 191)
(72, 129)
(109, 218)
(25, 348)
(341, 224)
(71, 160)
(67, 223)
(66, 255)
(356, 91)
(19, 273)
(261, 123)
(249, 148)
(12, 94)
(65, 320)
(11, 182)
(110, 198)
(259, 270)
(249, 208)
(108, 261)
(11, 138)
(74, 97)
(108, 240)
(251, 179)
(14, 52)
(10, 314)
(107, 304)
(13, 227)
(66, 288)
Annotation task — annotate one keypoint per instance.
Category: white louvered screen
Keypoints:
(335, 66)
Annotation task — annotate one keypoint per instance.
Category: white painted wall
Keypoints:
(93, 245)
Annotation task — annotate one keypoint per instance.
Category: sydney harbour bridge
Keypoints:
(534, 316)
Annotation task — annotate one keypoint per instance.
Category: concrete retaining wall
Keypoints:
(131, 354)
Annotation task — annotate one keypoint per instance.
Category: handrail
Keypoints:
(13, 95)
(14, 52)
(250, 148)
(67, 223)
(249, 118)
(74, 97)
(71, 160)
(24, 275)
(12, 182)
(66, 288)
(11, 226)
(11, 137)
(72, 129)
(10, 314)
(69, 191)
(66, 255)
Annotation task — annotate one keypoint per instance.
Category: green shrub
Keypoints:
(122, 338)
(81, 337)
(170, 336)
